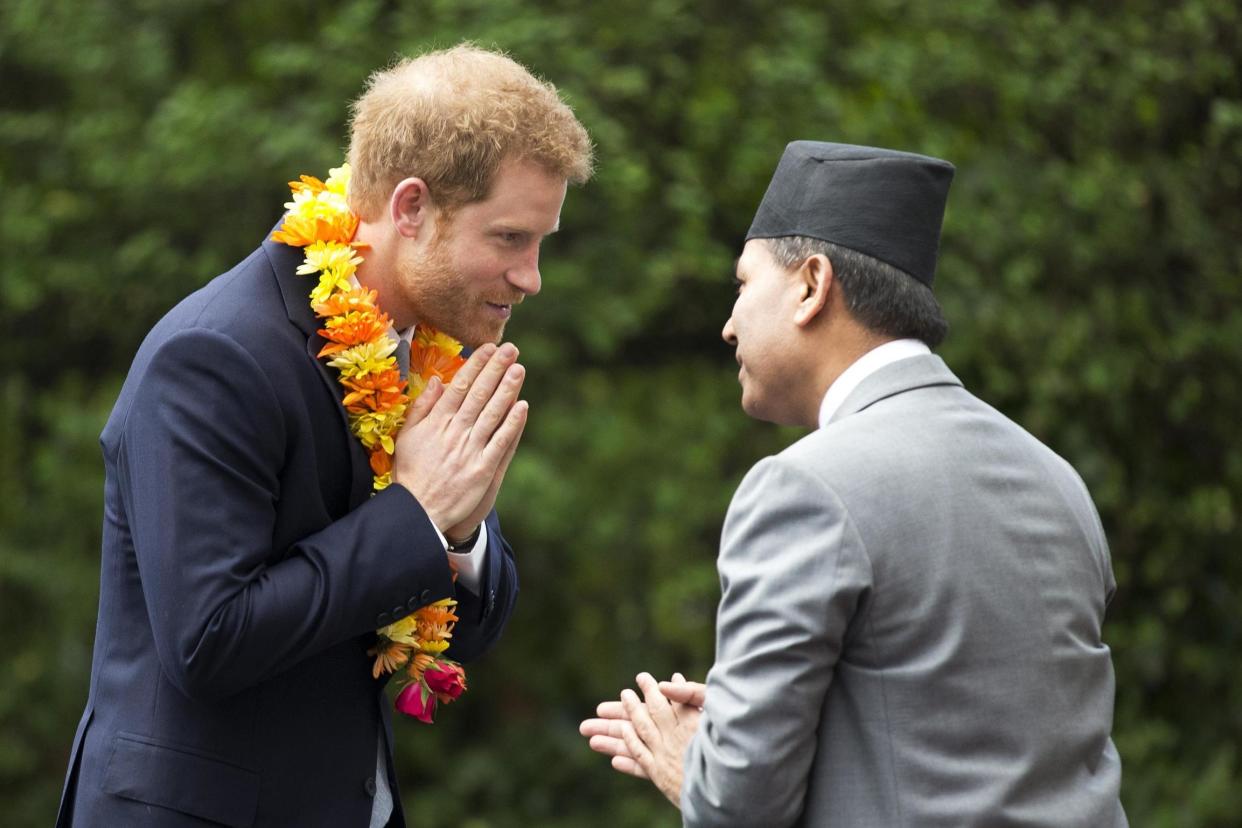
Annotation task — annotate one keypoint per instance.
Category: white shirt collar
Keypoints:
(863, 367)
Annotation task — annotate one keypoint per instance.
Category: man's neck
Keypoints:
(842, 352)
(378, 270)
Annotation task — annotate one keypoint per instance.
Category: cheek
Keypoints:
(479, 267)
(747, 321)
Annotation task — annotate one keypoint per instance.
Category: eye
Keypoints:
(737, 285)
(512, 237)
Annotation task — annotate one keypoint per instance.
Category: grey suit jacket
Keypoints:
(909, 632)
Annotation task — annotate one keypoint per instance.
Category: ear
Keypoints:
(814, 280)
(410, 207)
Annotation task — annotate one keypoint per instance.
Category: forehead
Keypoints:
(755, 258)
(524, 195)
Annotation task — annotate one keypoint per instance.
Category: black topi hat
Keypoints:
(885, 204)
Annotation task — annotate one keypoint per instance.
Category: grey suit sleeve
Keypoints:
(792, 571)
(1083, 508)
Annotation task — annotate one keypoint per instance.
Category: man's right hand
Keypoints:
(457, 442)
(684, 692)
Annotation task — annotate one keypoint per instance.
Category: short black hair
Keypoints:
(883, 298)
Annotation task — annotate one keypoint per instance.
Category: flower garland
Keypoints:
(360, 347)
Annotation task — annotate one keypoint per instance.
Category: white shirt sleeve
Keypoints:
(469, 565)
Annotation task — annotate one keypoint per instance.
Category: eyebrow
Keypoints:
(506, 227)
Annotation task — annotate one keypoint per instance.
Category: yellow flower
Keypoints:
(365, 358)
(431, 338)
(416, 385)
(403, 631)
(433, 647)
(377, 427)
(338, 180)
(316, 214)
(329, 283)
(366, 427)
(327, 255)
(319, 204)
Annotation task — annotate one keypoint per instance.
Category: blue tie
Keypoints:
(403, 357)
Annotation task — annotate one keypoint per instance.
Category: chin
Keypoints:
(473, 338)
(751, 406)
(471, 332)
(757, 410)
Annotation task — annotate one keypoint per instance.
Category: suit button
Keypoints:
(382, 620)
(399, 612)
(413, 604)
(369, 786)
(424, 597)
(491, 602)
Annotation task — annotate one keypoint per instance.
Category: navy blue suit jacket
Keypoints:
(245, 567)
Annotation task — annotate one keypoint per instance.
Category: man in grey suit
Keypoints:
(909, 630)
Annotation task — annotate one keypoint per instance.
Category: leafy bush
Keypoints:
(1090, 266)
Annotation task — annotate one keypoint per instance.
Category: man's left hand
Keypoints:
(646, 737)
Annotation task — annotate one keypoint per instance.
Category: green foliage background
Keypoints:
(1090, 266)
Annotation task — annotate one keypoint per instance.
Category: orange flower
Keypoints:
(381, 462)
(353, 328)
(429, 361)
(379, 391)
(389, 656)
(431, 632)
(419, 663)
(358, 299)
(384, 400)
(299, 230)
(436, 614)
(308, 182)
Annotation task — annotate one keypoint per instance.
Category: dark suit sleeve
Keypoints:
(199, 463)
(483, 616)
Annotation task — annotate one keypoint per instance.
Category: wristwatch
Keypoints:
(463, 545)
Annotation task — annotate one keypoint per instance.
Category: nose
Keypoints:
(525, 275)
(728, 334)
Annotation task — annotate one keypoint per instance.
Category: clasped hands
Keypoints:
(452, 455)
(457, 441)
(647, 737)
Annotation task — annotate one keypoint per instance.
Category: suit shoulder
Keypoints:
(240, 303)
(845, 449)
(243, 304)
(240, 310)
(792, 476)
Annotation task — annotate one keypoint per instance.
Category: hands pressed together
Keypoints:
(452, 455)
(647, 737)
(457, 442)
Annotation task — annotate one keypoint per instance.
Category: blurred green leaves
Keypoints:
(1090, 267)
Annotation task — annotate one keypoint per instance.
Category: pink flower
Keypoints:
(446, 679)
(418, 701)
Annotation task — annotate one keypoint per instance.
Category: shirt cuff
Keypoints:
(468, 565)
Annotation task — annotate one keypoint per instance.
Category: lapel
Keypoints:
(295, 291)
(896, 378)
